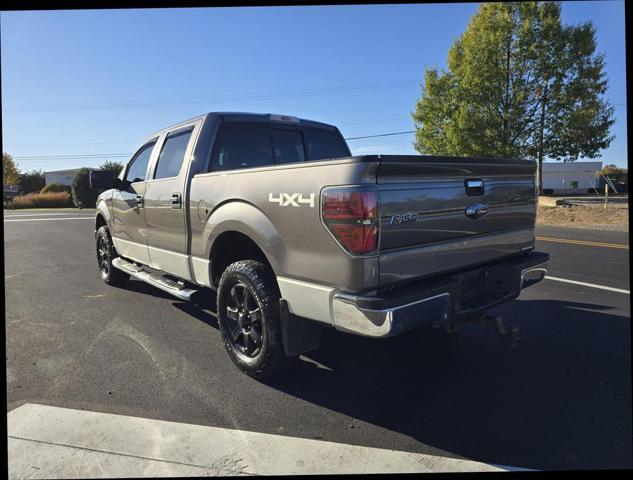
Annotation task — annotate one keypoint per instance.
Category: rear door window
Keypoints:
(242, 145)
(322, 144)
(173, 154)
(288, 146)
(138, 165)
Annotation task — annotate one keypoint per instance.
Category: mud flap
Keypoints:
(300, 335)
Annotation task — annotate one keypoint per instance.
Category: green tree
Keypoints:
(519, 83)
(83, 195)
(32, 181)
(112, 166)
(10, 172)
(615, 173)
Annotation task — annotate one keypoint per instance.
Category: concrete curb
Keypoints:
(52, 442)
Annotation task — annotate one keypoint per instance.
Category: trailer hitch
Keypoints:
(497, 323)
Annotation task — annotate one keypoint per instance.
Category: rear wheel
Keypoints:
(105, 254)
(248, 316)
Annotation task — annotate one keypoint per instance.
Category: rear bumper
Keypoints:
(450, 298)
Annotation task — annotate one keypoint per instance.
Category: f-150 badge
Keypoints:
(405, 218)
(291, 199)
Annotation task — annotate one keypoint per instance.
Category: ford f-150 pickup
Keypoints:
(295, 234)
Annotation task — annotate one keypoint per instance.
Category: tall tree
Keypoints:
(519, 83)
(10, 172)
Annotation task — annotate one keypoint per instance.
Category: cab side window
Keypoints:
(138, 165)
(242, 145)
(173, 154)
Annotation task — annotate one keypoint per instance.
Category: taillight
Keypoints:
(351, 215)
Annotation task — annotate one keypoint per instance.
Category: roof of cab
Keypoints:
(245, 116)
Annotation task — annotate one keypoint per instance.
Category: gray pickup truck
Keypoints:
(294, 233)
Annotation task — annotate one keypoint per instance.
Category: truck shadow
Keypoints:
(560, 400)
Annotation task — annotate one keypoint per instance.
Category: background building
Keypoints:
(63, 177)
(579, 177)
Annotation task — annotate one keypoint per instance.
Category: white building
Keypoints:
(63, 177)
(578, 177)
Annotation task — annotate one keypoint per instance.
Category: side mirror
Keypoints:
(102, 179)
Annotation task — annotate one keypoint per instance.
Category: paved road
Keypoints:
(561, 400)
(604, 265)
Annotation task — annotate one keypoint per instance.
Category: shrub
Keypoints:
(112, 166)
(43, 200)
(56, 187)
(81, 190)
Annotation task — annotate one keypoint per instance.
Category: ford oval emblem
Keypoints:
(476, 210)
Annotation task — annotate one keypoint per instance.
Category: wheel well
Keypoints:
(230, 247)
(100, 222)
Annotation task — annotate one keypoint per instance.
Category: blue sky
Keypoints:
(100, 81)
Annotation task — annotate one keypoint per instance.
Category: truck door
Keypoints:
(165, 209)
(129, 231)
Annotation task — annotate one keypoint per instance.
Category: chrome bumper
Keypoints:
(354, 314)
(351, 318)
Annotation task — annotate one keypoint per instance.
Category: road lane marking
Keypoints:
(585, 284)
(19, 215)
(37, 432)
(47, 219)
(622, 246)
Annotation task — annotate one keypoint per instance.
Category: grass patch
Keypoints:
(43, 200)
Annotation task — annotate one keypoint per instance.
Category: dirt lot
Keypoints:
(615, 217)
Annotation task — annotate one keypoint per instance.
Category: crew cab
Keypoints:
(294, 233)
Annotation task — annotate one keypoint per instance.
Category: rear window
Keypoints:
(288, 146)
(249, 145)
(241, 145)
(322, 144)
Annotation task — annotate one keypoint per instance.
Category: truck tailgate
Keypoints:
(424, 202)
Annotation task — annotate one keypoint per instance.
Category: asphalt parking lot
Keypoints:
(560, 400)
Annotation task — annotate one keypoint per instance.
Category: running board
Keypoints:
(175, 288)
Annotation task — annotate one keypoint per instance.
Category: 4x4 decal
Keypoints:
(291, 199)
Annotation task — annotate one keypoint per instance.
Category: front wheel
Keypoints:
(105, 254)
(248, 316)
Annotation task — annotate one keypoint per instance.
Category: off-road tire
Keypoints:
(109, 274)
(260, 281)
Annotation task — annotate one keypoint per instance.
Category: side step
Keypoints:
(175, 288)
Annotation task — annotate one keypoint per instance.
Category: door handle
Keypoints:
(176, 200)
(139, 201)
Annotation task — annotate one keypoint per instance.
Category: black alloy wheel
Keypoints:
(245, 320)
(248, 317)
(105, 254)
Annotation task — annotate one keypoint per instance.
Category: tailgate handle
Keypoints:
(474, 186)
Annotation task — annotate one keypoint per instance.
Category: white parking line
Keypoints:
(47, 219)
(585, 284)
(42, 214)
(42, 437)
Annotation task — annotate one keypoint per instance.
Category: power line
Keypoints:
(381, 135)
(87, 155)
(279, 94)
(98, 156)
